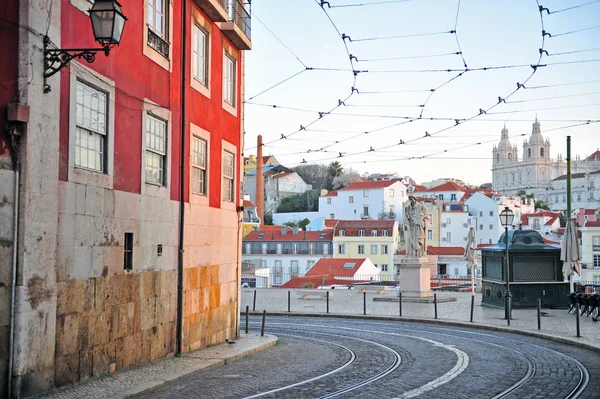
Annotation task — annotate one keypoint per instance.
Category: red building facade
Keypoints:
(134, 162)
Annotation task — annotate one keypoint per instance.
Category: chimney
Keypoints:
(284, 230)
(260, 183)
(295, 230)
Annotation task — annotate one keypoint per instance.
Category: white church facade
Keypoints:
(536, 170)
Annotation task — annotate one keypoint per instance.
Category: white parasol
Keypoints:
(570, 252)
(471, 256)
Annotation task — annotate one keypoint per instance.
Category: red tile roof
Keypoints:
(449, 186)
(330, 223)
(270, 228)
(591, 223)
(551, 221)
(335, 267)
(441, 251)
(331, 194)
(366, 224)
(369, 184)
(248, 204)
(277, 236)
(484, 245)
(418, 187)
(549, 242)
(589, 212)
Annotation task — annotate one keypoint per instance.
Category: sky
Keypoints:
(429, 86)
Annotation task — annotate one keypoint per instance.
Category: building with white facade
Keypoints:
(446, 192)
(585, 191)
(583, 215)
(455, 222)
(545, 222)
(486, 206)
(373, 239)
(286, 252)
(365, 200)
(536, 169)
(590, 252)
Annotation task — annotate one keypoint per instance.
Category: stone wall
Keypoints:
(6, 257)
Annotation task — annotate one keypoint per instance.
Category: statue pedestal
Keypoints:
(415, 277)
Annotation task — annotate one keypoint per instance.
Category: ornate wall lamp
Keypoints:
(108, 22)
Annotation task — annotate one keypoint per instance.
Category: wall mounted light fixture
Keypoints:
(108, 22)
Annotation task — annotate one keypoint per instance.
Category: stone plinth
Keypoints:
(415, 277)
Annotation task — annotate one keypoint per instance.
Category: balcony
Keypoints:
(215, 9)
(364, 215)
(237, 27)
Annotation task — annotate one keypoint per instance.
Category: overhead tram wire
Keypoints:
(573, 52)
(573, 31)
(560, 84)
(322, 3)
(369, 4)
(481, 111)
(573, 7)
(279, 40)
(552, 98)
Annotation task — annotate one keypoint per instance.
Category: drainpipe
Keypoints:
(11, 337)
(179, 333)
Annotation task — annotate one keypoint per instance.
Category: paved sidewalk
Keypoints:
(131, 382)
(556, 324)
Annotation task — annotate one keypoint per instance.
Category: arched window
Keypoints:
(498, 157)
(529, 153)
(542, 152)
(512, 175)
(509, 156)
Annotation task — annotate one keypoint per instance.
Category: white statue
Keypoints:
(415, 225)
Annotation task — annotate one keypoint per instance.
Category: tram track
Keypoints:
(511, 390)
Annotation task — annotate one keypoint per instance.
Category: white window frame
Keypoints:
(595, 243)
(85, 176)
(365, 193)
(197, 132)
(596, 261)
(341, 249)
(230, 54)
(373, 233)
(384, 267)
(391, 192)
(361, 233)
(384, 233)
(342, 233)
(151, 150)
(162, 191)
(204, 27)
(165, 63)
(232, 149)
(91, 129)
(374, 249)
(328, 201)
(384, 249)
(228, 173)
(361, 249)
(199, 156)
(351, 199)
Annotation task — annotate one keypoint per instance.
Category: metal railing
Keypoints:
(158, 43)
(239, 16)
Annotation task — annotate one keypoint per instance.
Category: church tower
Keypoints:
(536, 156)
(505, 156)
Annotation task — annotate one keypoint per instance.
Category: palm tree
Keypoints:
(335, 170)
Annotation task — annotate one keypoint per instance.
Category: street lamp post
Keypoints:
(506, 218)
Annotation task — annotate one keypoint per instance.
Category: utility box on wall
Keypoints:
(535, 272)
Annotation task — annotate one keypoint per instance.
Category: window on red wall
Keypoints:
(91, 128)
(198, 166)
(200, 54)
(228, 176)
(229, 69)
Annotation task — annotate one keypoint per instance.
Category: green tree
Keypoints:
(268, 219)
(291, 224)
(563, 219)
(335, 170)
(303, 223)
(541, 205)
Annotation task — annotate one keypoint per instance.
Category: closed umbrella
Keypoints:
(471, 256)
(570, 253)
